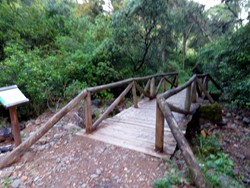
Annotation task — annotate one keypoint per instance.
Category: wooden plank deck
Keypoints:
(134, 128)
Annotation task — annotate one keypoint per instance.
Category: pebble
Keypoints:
(17, 183)
(246, 120)
(24, 178)
(98, 171)
(5, 174)
(93, 176)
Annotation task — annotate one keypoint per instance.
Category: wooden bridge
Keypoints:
(153, 125)
(134, 128)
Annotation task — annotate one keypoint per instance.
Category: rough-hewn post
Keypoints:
(176, 81)
(193, 90)
(145, 89)
(205, 91)
(88, 113)
(205, 83)
(164, 85)
(159, 133)
(135, 99)
(159, 86)
(188, 98)
(183, 145)
(152, 88)
(15, 126)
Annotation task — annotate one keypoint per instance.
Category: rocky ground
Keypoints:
(63, 159)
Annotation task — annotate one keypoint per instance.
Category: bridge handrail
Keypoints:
(197, 84)
(86, 95)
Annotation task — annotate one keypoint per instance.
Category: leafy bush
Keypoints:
(228, 60)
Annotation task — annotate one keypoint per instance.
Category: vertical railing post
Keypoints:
(164, 85)
(205, 83)
(88, 113)
(194, 99)
(188, 98)
(176, 81)
(152, 88)
(135, 99)
(159, 133)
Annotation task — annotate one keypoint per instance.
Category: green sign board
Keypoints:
(12, 96)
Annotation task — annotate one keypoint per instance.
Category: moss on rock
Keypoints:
(211, 112)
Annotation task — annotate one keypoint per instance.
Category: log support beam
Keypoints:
(159, 133)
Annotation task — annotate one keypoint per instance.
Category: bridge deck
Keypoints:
(134, 128)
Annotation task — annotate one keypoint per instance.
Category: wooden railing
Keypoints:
(132, 83)
(196, 87)
(150, 90)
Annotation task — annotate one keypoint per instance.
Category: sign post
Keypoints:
(10, 97)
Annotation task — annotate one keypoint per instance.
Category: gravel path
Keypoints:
(63, 159)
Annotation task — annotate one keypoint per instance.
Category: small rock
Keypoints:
(228, 115)
(5, 174)
(238, 118)
(98, 171)
(57, 136)
(246, 120)
(24, 178)
(232, 125)
(17, 183)
(93, 176)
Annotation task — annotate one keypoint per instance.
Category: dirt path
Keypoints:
(63, 159)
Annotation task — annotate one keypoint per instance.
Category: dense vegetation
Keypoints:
(52, 49)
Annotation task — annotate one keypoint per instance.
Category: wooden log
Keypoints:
(145, 89)
(135, 99)
(183, 145)
(215, 83)
(152, 88)
(16, 154)
(159, 131)
(193, 91)
(169, 81)
(88, 113)
(205, 83)
(142, 90)
(127, 81)
(164, 85)
(176, 80)
(159, 85)
(211, 100)
(188, 98)
(173, 91)
(15, 126)
(198, 89)
(177, 109)
(112, 106)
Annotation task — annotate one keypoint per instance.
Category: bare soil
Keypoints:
(63, 159)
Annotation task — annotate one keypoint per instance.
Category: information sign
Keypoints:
(12, 96)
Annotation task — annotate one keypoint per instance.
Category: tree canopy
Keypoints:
(52, 49)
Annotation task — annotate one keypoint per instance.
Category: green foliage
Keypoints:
(207, 145)
(216, 165)
(227, 60)
(219, 172)
(6, 182)
(56, 62)
(167, 182)
(171, 178)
